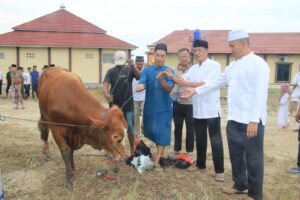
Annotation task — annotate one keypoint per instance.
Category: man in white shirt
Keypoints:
(27, 82)
(206, 109)
(247, 79)
(138, 97)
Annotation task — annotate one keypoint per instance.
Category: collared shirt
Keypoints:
(35, 77)
(247, 80)
(27, 78)
(206, 106)
(137, 96)
(296, 93)
(175, 94)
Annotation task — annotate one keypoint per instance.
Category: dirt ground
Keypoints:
(27, 175)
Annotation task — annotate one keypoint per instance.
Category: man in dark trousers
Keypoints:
(117, 89)
(8, 80)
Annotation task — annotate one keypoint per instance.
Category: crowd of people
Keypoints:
(191, 95)
(21, 83)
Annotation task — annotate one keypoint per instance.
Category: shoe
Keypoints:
(193, 168)
(220, 177)
(158, 168)
(232, 191)
(190, 154)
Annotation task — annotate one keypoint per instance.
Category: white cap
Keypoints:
(237, 35)
(120, 58)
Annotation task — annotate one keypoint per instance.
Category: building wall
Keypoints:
(86, 68)
(40, 57)
(294, 60)
(10, 57)
(60, 57)
(221, 58)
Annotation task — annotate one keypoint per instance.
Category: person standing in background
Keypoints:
(138, 97)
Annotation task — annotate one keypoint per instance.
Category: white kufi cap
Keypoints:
(237, 35)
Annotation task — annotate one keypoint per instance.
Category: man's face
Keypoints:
(29, 70)
(34, 69)
(159, 57)
(139, 64)
(184, 58)
(200, 54)
(236, 48)
(13, 69)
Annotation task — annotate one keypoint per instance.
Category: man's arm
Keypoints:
(163, 82)
(181, 82)
(107, 95)
(261, 94)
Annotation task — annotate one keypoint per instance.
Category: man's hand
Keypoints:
(160, 76)
(186, 94)
(252, 130)
(109, 98)
(140, 87)
(168, 73)
(130, 62)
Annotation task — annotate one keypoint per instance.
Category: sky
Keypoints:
(141, 22)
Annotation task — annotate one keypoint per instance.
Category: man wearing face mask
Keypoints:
(117, 89)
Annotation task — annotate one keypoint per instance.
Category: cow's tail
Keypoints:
(44, 129)
(44, 132)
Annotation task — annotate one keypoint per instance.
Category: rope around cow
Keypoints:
(115, 162)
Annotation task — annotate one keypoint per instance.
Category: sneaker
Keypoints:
(232, 191)
(190, 154)
(220, 177)
(193, 168)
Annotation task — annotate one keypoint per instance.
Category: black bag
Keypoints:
(141, 149)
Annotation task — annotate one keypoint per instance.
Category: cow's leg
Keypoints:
(67, 156)
(58, 134)
(44, 132)
(72, 160)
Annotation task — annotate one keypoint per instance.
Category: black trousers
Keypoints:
(7, 87)
(298, 161)
(247, 158)
(181, 113)
(27, 90)
(0, 87)
(214, 129)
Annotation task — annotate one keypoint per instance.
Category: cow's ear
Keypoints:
(118, 112)
(96, 123)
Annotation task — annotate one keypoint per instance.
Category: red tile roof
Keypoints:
(60, 20)
(61, 29)
(261, 43)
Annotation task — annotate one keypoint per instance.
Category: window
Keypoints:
(29, 55)
(89, 56)
(2, 55)
(108, 58)
(283, 72)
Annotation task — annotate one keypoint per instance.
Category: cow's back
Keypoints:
(62, 94)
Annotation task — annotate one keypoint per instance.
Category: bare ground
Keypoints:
(27, 175)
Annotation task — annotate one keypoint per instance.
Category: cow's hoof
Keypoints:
(69, 184)
(47, 158)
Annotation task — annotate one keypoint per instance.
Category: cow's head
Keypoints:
(113, 125)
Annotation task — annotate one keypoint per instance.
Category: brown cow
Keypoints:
(63, 99)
